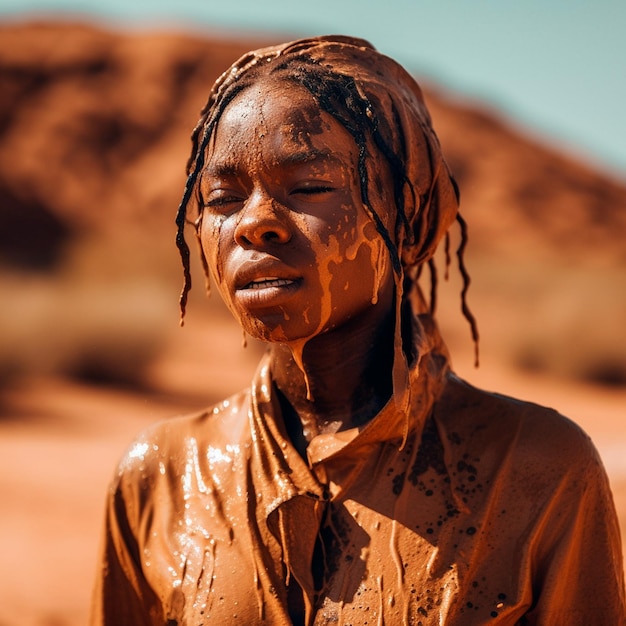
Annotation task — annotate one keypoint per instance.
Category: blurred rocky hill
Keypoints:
(94, 136)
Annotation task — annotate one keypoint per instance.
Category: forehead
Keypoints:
(279, 119)
(274, 102)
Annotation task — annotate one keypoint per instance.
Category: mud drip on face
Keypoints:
(364, 239)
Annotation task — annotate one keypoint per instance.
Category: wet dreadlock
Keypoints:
(339, 96)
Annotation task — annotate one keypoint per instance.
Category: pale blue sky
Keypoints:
(556, 67)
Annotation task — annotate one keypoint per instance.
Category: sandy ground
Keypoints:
(59, 442)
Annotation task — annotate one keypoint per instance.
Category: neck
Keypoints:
(339, 380)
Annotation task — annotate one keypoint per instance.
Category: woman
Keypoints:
(358, 480)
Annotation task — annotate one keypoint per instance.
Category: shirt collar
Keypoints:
(285, 474)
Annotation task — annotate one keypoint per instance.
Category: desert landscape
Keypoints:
(94, 136)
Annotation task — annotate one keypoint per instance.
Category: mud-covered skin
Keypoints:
(494, 512)
(281, 200)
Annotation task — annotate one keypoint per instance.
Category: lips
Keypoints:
(267, 283)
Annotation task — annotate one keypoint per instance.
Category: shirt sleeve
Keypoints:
(122, 595)
(578, 561)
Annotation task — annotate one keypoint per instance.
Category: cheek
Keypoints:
(211, 234)
(352, 265)
(214, 236)
(362, 273)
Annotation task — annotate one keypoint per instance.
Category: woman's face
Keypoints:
(283, 228)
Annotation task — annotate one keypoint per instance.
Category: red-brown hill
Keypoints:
(94, 130)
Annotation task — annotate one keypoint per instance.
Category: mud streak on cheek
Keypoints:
(213, 234)
(364, 233)
(340, 247)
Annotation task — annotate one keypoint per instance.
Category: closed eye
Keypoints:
(221, 200)
(313, 190)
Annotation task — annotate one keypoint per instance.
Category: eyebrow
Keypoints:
(228, 168)
(307, 156)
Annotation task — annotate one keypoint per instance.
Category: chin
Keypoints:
(281, 334)
(264, 331)
(278, 328)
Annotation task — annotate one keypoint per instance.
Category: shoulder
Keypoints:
(534, 486)
(509, 456)
(529, 439)
(168, 443)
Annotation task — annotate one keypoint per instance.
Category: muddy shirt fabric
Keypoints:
(486, 510)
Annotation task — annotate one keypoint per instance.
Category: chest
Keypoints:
(398, 551)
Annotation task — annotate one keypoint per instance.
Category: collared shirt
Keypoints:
(452, 506)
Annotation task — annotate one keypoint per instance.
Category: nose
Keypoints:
(262, 221)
